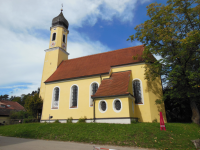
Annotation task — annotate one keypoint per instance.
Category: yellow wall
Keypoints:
(110, 113)
(147, 111)
(60, 31)
(53, 58)
(64, 112)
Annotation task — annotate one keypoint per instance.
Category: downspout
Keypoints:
(94, 110)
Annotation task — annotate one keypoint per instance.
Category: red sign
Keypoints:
(162, 124)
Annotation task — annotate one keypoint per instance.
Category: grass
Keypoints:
(147, 135)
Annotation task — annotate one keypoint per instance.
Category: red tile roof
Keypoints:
(96, 64)
(117, 84)
(13, 106)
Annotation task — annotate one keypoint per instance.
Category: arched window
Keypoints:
(54, 37)
(63, 38)
(137, 92)
(93, 89)
(55, 101)
(74, 96)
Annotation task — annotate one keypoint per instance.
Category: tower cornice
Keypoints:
(55, 48)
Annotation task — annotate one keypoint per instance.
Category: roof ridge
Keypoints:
(104, 52)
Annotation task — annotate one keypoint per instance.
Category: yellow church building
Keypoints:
(108, 87)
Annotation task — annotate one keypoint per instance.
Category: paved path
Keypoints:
(11, 143)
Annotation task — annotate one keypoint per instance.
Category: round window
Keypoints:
(117, 105)
(102, 106)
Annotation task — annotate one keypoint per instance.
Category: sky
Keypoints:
(95, 26)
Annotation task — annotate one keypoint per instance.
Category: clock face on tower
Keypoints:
(53, 44)
(63, 46)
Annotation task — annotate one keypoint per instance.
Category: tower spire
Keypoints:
(61, 7)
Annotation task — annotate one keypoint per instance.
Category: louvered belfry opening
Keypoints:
(74, 96)
(94, 88)
(64, 38)
(56, 97)
(54, 37)
(117, 105)
(137, 91)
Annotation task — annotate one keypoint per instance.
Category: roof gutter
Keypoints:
(112, 95)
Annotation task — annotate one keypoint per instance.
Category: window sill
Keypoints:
(73, 107)
(139, 103)
(91, 105)
(54, 108)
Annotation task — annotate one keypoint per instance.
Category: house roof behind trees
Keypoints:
(7, 106)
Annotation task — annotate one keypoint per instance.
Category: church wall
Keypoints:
(64, 112)
(155, 92)
(59, 34)
(110, 113)
(50, 65)
(142, 111)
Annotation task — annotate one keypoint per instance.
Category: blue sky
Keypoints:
(95, 26)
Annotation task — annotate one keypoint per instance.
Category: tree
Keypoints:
(173, 32)
(17, 99)
(33, 104)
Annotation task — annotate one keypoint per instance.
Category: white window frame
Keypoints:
(99, 106)
(53, 99)
(142, 97)
(70, 101)
(52, 36)
(117, 111)
(90, 93)
(65, 38)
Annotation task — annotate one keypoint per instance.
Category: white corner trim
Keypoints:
(100, 106)
(90, 93)
(140, 89)
(53, 96)
(70, 98)
(55, 48)
(117, 111)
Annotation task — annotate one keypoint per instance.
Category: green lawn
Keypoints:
(147, 135)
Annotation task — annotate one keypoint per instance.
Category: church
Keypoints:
(108, 87)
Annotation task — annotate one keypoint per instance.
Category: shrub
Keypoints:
(69, 120)
(154, 121)
(18, 114)
(134, 120)
(82, 120)
(56, 121)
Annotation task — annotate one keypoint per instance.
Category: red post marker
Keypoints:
(162, 124)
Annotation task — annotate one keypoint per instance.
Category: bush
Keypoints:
(82, 120)
(19, 114)
(134, 120)
(56, 121)
(154, 121)
(69, 120)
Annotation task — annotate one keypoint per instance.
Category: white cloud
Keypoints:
(22, 48)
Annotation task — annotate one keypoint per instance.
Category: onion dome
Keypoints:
(60, 20)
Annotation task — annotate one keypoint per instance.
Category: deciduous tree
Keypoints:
(173, 32)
